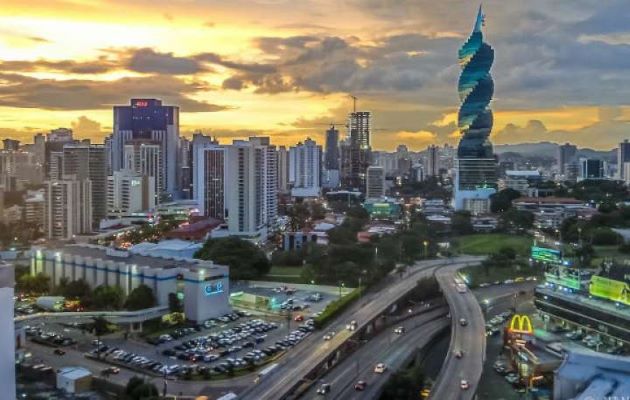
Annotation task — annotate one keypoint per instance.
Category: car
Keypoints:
(399, 330)
(323, 389)
(360, 386)
(110, 371)
(380, 368)
(299, 318)
(329, 335)
(463, 322)
(459, 354)
(59, 352)
(463, 384)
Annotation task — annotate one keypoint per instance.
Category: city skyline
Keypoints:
(559, 68)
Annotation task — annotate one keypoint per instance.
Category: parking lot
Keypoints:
(221, 346)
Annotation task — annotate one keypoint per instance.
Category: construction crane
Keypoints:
(354, 102)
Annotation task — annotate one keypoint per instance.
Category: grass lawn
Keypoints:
(481, 244)
(280, 273)
(602, 252)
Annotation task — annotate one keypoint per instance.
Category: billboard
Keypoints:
(521, 324)
(610, 289)
(546, 255)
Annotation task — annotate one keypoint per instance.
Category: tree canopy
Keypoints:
(245, 259)
(140, 298)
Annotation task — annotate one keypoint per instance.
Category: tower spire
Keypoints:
(481, 20)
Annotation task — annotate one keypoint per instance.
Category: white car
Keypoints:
(400, 330)
(329, 335)
(380, 368)
(464, 384)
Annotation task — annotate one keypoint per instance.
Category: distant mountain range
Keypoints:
(548, 149)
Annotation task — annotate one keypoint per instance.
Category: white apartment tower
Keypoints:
(67, 207)
(145, 158)
(129, 192)
(305, 169)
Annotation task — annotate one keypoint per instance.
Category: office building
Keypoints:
(67, 208)
(626, 172)
(7, 344)
(476, 174)
(332, 149)
(11, 144)
(149, 120)
(88, 161)
(211, 181)
(520, 181)
(375, 183)
(433, 161)
(184, 172)
(283, 170)
(145, 157)
(591, 168)
(305, 169)
(417, 173)
(566, 155)
(129, 192)
(623, 157)
(203, 285)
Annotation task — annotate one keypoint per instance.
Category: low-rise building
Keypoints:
(74, 380)
(549, 212)
(203, 284)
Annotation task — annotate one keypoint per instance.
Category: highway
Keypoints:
(312, 352)
(469, 339)
(387, 347)
(117, 317)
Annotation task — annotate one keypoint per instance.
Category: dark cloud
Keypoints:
(147, 60)
(98, 66)
(75, 94)
(214, 58)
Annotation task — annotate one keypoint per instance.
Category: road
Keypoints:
(387, 347)
(117, 317)
(469, 339)
(297, 364)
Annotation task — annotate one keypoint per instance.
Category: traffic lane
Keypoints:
(375, 350)
(394, 358)
(375, 301)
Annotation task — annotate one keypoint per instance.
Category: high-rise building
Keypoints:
(148, 119)
(34, 212)
(184, 172)
(626, 172)
(332, 149)
(199, 142)
(39, 148)
(476, 175)
(67, 207)
(592, 168)
(7, 344)
(145, 157)
(356, 150)
(251, 187)
(375, 183)
(623, 156)
(11, 144)
(566, 155)
(129, 192)
(305, 169)
(239, 183)
(89, 161)
(283, 170)
(210, 174)
(417, 173)
(63, 135)
(433, 161)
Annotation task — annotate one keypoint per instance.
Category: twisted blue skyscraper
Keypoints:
(476, 167)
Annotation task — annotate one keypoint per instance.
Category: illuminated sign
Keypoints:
(546, 255)
(141, 103)
(610, 289)
(521, 324)
(213, 288)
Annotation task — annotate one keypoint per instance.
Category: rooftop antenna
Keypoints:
(354, 102)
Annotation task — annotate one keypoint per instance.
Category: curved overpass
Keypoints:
(470, 339)
(117, 317)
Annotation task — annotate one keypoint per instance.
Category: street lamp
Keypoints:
(426, 244)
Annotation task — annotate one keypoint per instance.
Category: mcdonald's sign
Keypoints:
(521, 324)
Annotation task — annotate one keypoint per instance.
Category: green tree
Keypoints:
(298, 215)
(502, 200)
(514, 219)
(107, 298)
(461, 223)
(33, 284)
(245, 259)
(75, 290)
(604, 236)
(138, 389)
(140, 298)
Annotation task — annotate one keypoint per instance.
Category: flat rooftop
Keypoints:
(100, 252)
(581, 300)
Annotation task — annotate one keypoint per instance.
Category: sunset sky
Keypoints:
(284, 68)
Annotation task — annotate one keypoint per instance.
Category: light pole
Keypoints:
(426, 244)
